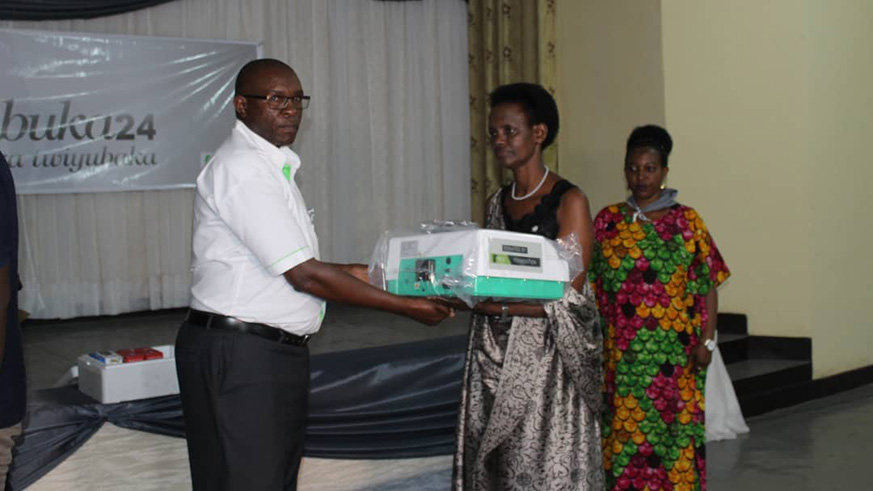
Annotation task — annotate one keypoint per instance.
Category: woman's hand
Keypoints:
(699, 358)
(513, 309)
(494, 309)
(489, 308)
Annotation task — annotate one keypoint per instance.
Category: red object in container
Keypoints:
(151, 353)
(130, 355)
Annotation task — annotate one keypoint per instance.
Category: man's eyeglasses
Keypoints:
(281, 102)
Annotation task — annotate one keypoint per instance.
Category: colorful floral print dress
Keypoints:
(650, 280)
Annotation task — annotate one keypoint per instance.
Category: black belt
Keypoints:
(209, 320)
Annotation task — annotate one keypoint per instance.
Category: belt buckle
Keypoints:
(286, 337)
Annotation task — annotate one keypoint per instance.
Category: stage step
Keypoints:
(768, 372)
(733, 347)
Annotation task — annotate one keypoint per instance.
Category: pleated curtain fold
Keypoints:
(383, 144)
(509, 41)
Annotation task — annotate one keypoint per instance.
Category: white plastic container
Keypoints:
(129, 381)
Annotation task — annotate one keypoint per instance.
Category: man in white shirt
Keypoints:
(258, 293)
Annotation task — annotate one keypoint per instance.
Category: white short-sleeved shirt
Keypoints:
(250, 226)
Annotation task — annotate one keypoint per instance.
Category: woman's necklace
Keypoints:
(528, 195)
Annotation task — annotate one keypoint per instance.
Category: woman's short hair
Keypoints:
(650, 136)
(538, 105)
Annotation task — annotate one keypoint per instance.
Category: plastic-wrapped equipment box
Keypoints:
(475, 264)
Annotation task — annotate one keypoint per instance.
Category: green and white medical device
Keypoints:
(478, 263)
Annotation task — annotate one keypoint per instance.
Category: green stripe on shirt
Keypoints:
(286, 256)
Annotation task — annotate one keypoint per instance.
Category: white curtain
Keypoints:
(385, 144)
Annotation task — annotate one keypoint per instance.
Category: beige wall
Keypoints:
(736, 94)
(840, 234)
(771, 109)
(610, 79)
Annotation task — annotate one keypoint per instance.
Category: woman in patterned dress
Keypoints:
(530, 404)
(655, 273)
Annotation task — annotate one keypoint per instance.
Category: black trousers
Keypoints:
(244, 400)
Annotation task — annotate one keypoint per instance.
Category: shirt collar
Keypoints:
(278, 156)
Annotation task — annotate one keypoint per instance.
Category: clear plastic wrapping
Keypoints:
(460, 260)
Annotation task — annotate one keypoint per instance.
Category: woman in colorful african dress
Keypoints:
(530, 405)
(655, 272)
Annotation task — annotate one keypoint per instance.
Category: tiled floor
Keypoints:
(821, 445)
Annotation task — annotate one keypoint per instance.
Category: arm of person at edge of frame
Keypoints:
(5, 297)
(574, 217)
(343, 283)
(700, 357)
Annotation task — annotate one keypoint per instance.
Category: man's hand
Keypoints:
(699, 358)
(340, 283)
(451, 302)
(428, 311)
